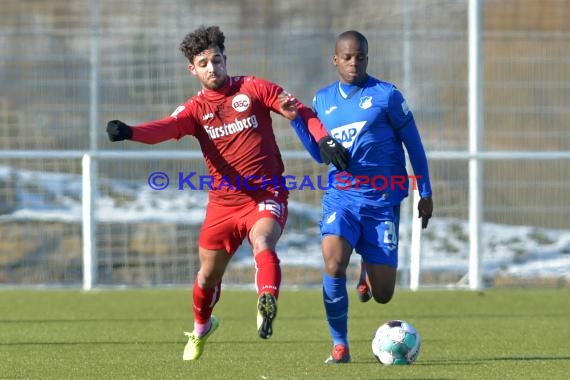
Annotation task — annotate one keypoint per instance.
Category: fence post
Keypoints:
(88, 223)
(415, 243)
(89, 163)
(476, 129)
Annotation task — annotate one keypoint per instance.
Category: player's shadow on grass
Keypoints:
(92, 343)
(89, 320)
(472, 316)
(153, 342)
(436, 362)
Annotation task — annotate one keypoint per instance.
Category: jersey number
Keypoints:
(390, 234)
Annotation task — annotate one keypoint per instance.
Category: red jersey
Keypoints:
(234, 128)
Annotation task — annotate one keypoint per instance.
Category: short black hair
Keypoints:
(355, 35)
(202, 39)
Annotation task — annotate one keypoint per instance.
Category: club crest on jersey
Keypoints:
(346, 134)
(365, 102)
(240, 102)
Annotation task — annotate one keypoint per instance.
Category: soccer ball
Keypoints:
(396, 342)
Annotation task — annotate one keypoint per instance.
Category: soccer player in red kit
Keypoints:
(230, 118)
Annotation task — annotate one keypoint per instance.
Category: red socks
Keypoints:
(204, 301)
(267, 279)
(267, 273)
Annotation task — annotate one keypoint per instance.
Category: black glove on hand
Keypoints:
(425, 209)
(117, 130)
(333, 151)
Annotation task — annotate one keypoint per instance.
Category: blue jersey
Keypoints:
(374, 123)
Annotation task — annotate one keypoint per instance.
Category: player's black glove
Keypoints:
(333, 151)
(425, 208)
(117, 130)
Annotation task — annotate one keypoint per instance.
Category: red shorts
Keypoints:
(225, 227)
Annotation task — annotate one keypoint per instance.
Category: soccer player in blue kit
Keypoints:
(361, 207)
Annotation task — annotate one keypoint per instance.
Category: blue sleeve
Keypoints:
(306, 138)
(413, 143)
(403, 122)
(398, 110)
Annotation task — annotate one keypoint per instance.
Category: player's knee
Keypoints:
(262, 242)
(383, 296)
(207, 280)
(335, 269)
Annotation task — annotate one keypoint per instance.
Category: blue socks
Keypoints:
(335, 297)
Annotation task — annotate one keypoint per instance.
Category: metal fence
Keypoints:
(65, 71)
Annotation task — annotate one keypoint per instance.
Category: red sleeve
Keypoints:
(269, 92)
(316, 128)
(175, 126)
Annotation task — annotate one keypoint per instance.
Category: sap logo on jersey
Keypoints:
(240, 102)
(347, 133)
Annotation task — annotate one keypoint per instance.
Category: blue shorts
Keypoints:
(371, 231)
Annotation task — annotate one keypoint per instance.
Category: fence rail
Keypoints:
(90, 179)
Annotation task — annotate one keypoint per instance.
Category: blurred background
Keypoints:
(67, 67)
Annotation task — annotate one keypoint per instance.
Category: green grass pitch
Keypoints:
(138, 334)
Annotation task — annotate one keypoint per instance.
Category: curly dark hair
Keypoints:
(201, 39)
